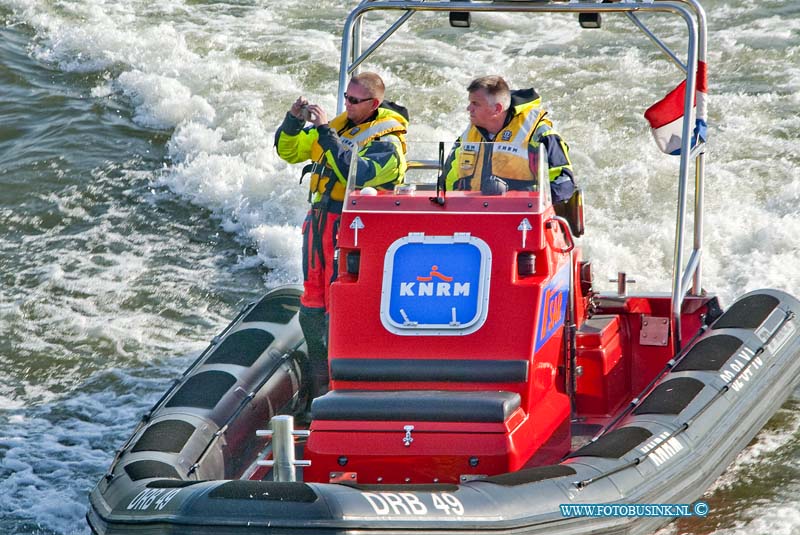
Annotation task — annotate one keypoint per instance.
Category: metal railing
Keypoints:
(284, 462)
(685, 277)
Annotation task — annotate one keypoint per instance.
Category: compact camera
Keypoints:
(305, 113)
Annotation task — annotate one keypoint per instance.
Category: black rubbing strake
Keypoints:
(709, 354)
(747, 313)
(241, 348)
(614, 444)
(670, 397)
(203, 390)
(167, 436)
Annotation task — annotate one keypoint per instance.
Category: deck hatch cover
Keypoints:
(435, 285)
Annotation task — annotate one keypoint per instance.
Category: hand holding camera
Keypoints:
(310, 113)
(298, 106)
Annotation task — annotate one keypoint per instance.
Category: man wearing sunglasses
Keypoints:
(376, 129)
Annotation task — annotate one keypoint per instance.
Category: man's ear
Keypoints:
(498, 108)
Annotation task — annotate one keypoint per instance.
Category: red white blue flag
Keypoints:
(666, 115)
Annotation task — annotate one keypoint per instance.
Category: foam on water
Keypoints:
(764, 448)
(202, 71)
(53, 453)
(218, 77)
(68, 293)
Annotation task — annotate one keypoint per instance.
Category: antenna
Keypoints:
(440, 180)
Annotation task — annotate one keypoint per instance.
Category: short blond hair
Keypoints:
(372, 83)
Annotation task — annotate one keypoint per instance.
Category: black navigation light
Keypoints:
(589, 20)
(460, 19)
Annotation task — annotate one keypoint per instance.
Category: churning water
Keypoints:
(142, 203)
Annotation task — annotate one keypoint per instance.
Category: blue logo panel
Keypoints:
(552, 307)
(434, 283)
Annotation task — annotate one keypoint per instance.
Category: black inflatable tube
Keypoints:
(653, 456)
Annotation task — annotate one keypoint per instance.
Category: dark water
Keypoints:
(108, 286)
(141, 204)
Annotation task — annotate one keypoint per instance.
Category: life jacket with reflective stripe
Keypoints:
(507, 157)
(326, 175)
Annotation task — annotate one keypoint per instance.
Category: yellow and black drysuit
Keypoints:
(479, 161)
(381, 163)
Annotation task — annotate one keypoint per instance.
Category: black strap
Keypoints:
(307, 169)
(315, 167)
(319, 219)
(316, 245)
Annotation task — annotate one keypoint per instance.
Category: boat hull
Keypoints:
(666, 450)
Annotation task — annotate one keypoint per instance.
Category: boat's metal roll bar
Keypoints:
(685, 278)
(284, 461)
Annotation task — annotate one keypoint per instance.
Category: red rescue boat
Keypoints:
(478, 381)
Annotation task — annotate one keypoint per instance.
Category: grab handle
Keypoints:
(563, 225)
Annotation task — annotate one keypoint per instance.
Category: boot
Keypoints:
(314, 323)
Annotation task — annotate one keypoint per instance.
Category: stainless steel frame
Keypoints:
(686, 277)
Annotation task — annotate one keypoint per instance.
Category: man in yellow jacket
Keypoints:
(374, 128)
(499, 150)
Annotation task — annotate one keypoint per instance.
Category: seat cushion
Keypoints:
(415, 405)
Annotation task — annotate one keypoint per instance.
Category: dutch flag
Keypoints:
(666, 115)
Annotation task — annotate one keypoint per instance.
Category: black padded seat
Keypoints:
(415, 405)
(430, 370)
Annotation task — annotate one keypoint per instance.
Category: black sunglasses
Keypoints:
(354, 100)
